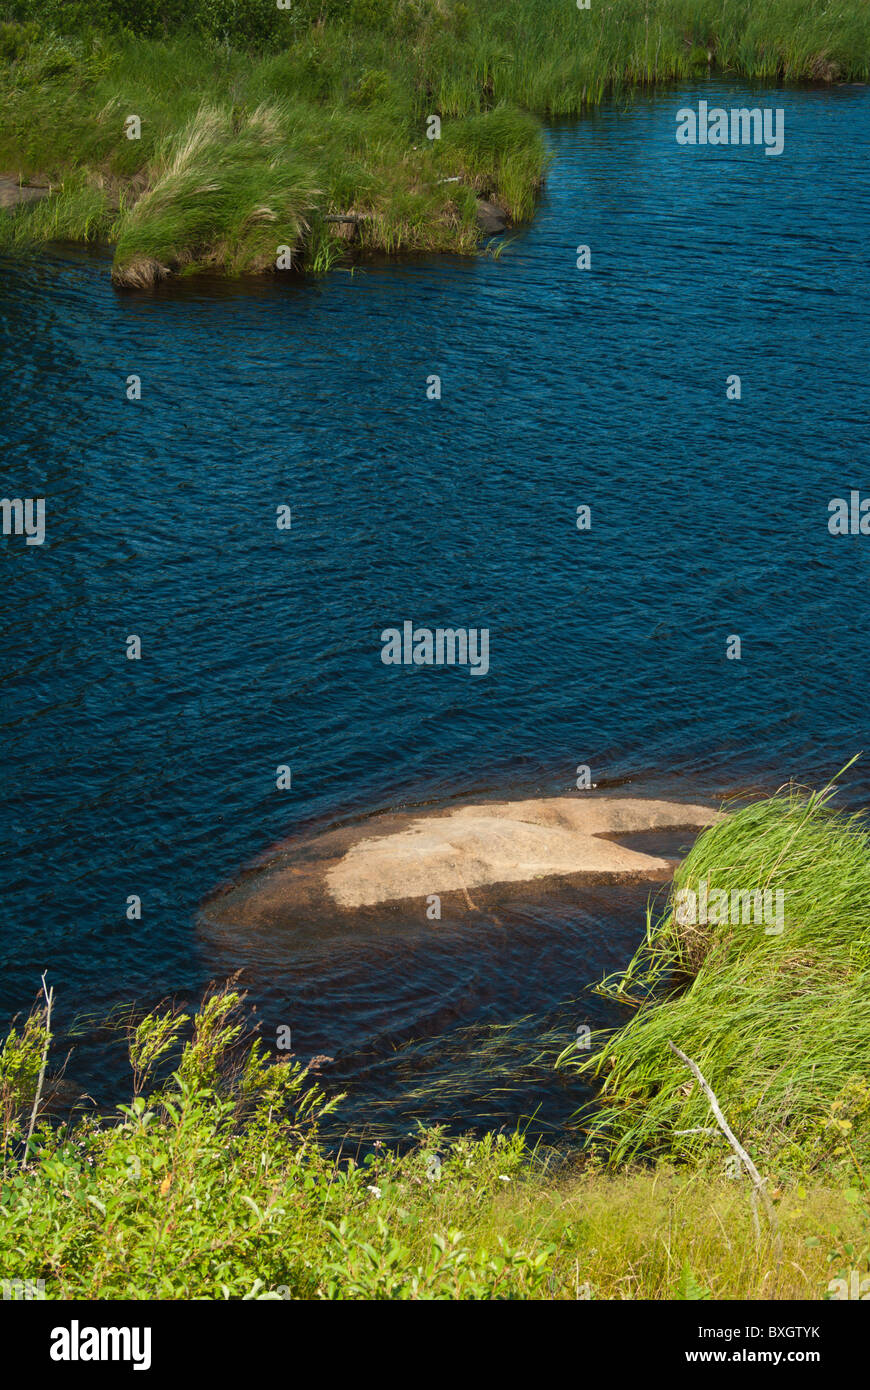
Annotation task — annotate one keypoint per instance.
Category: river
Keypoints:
(560, 388)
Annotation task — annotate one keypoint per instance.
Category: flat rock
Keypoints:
(508, 842)
(401, 856)
(12, 192)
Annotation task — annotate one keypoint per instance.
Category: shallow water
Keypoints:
(260, 648)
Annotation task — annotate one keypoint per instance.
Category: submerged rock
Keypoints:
(506, 842)
(398, 857)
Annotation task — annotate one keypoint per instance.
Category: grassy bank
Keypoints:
(212, 1181)
(259, 124)
(213, 1185)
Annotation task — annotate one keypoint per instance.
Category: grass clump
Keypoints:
(778, 1022)
(224, 193)
(77, 210)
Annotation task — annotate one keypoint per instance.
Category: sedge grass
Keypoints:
(779, 1023)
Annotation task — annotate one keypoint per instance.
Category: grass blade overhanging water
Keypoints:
(224, 193)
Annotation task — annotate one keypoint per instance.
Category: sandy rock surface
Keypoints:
(506, 842)
(409, 855)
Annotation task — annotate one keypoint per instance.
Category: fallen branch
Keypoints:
(758, 1182)
(49, 998)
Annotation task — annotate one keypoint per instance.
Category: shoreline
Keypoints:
(232, 1120)
(339, 240)
(303, 147)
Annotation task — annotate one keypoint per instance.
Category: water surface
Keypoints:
(560, 388)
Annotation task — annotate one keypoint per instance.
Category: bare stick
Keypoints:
(758, 1181)
(49, 997)
(753, 1197)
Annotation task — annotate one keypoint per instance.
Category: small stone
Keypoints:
(490, 217)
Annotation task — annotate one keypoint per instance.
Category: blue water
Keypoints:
(259, 647)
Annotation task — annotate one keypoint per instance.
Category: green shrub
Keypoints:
(15, 40)
(252, 24)
(211, 1183)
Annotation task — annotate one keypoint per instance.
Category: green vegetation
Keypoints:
(259, 123)
(779, 1023)
(213, 1182)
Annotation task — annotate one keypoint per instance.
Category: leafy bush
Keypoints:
(213, 1185)
(15, 40)
(252, 24)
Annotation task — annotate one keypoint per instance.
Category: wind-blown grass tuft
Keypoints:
(779, 1024)
(225, 194)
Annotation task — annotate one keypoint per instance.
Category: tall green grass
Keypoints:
(225, 192)
(779, 1024)
(360, 78)
(77, 210)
